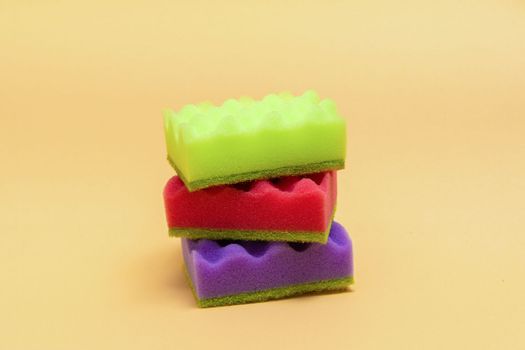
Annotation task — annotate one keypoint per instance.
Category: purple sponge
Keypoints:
(234, 272)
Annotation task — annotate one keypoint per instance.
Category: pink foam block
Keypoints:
(288, 204)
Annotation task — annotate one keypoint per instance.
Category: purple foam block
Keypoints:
(224, 268)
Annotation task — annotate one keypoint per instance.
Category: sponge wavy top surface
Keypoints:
(245, 115)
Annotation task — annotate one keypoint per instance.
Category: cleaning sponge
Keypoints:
(234, 272)
(243, 139)
(295, 208)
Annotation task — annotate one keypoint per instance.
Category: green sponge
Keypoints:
(244, 139)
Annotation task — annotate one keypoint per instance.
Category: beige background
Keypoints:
(433, 196)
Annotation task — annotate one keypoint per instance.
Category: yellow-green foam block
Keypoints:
(245, 139)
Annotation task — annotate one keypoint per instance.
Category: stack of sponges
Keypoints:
(255, 197)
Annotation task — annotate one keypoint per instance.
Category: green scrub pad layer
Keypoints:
(255, 235)
(275, 293)
(245, 139)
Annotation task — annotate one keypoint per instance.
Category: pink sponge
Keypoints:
(293, 208)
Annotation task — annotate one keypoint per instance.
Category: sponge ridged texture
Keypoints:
(245, 115)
